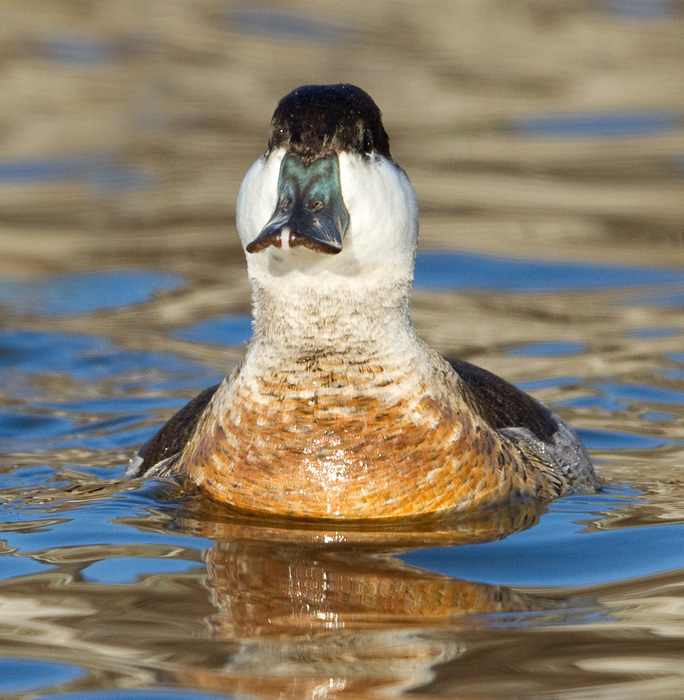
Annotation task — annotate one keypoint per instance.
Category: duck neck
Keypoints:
(349, 327)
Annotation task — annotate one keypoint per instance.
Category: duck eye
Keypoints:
(367, 141)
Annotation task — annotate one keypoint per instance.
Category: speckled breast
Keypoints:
(344, 449)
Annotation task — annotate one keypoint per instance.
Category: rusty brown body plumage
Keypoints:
(322, 441)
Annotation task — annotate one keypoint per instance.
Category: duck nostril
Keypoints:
(316, 205)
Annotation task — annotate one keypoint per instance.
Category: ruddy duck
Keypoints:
(338, 409)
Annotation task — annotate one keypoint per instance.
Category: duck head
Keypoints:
(326, 206)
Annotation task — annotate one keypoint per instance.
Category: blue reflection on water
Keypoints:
(657, 416)
(593, 402)
(86, 358)
(19, 675)
(654, 333)
(101, 522)
(85, 292)
(307, 27)
(24, 477)
(612, 396)
(447, 269)
(14, 567)
(32, 422)
(614, 441)
(76, 49)
(229, 330)
(37, 426)
(105, 172)
(640, 9)
(597, 125)
(642, 393)
(125, 570)
(548, 349)
(559, 552)
(549, 382)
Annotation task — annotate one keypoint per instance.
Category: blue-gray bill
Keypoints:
(310, 211)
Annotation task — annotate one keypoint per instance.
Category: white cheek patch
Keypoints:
(258, 196)
(383, 209)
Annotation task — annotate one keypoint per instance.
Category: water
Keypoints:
(545, 144)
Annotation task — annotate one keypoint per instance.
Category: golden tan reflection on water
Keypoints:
(343, 618)
(282, 611)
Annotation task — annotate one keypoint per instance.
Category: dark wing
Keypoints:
(173, 436)
(503, 405)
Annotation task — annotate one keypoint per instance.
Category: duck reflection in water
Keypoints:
(333, 613)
